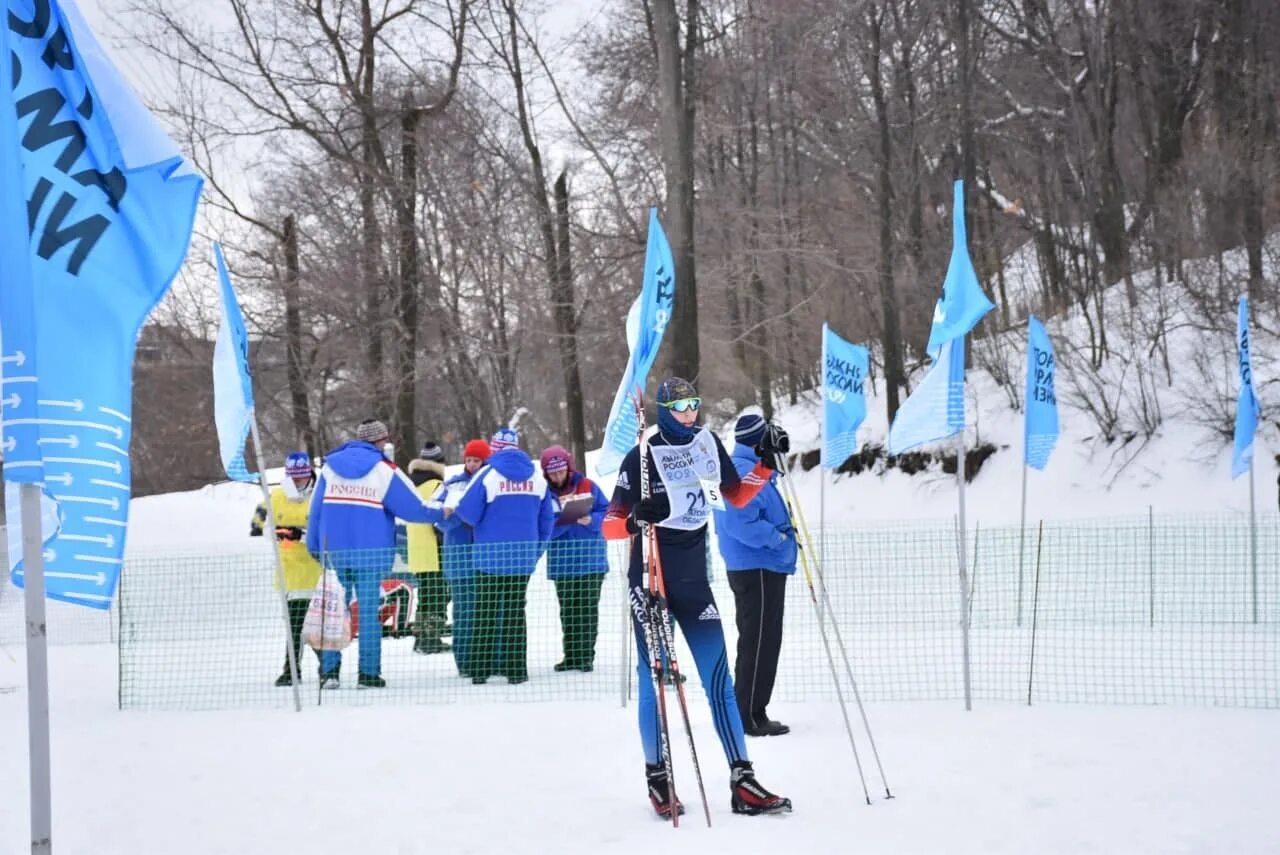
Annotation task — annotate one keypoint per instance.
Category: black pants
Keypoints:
(500, 625)
(579, 617)
(433, 603)
(758, 596)
(297, 614)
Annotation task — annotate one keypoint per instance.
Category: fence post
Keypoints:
(1035, 612)
(1151, 566)
(1253, 546)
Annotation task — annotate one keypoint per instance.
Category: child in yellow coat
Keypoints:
(291, 507)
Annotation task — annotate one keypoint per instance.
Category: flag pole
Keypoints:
(291, 653)
(964, 576)
(1022, 525)
(37, 671)
(1253, 545)
(822, 460)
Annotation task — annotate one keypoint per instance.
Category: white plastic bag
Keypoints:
(327, 625)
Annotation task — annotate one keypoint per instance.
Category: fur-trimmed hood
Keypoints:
(425, 470)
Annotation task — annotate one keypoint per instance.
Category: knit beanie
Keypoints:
(372, 431)
(432, 451)
(477, 448)
(298, 465)
(556, 459)
(504, 438)
(750, 430)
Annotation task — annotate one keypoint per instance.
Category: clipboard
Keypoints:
(575, 508)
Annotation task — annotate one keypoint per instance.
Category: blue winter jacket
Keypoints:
(511, 512)
(758, 536)
(457, 535)
(357, 499)
(576, 549)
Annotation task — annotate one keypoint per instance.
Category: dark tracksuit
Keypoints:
(683, 556)
(758, 545)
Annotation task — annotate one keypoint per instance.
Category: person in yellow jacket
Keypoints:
(427, 474)
(291, 506)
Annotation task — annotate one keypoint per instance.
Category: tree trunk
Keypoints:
(554, 229)
(675, 82)
(567, 326)
(405, 376)
(892, 330)
(299, 404)
(370, 251)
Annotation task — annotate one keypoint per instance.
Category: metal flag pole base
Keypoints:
(37, 671)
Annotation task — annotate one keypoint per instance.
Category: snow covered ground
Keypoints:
(566, 778)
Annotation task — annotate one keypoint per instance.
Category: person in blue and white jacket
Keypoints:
(459, 571)
(511, 513)
(353, 530)
(758, 545)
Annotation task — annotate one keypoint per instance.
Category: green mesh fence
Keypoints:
(1136, 610)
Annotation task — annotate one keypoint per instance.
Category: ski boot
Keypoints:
(749, 797)
(660, 790)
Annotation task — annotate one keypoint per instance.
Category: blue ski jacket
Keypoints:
(357, 499)
(511, 511)
(758, 536)
(576, 549)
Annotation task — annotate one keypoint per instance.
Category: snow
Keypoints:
(374, 772)
(565, 777)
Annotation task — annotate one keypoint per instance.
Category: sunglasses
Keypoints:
(684, 405)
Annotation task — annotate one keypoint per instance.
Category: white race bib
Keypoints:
(691, 474)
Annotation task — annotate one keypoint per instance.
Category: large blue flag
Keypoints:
(935, 410)
(844, 400)
(963, 302)
(646, 323)
(1247, 409)
(232, 385)
(1040, 423)
(103, 216)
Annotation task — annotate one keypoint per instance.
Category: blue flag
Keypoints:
(844, 401)
(96, 210)
(1040, 424)
(232, 385)
(963, 302)
(646, 323)
(1247, 409)
(935, 410)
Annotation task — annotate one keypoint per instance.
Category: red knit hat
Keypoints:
(477, 448)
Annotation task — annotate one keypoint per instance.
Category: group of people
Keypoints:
(484, 530)
(473, 539)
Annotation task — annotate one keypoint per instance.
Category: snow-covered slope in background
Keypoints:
(1168, 363)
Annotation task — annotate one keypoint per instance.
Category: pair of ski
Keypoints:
(659, 639)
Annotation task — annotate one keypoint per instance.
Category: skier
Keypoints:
(695, 472)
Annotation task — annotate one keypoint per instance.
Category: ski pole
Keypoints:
(808, 563)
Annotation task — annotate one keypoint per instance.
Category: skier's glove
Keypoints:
(654, 509)
(774, 444)
(778, 439)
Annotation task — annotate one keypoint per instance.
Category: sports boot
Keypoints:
(749, 797)
(660, 790)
